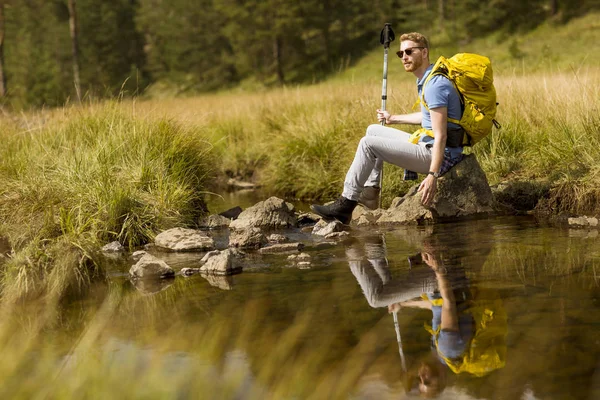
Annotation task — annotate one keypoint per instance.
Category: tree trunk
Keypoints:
(74, 46)
(452, 17)
(327, 45)
(553, 7)
(442, 14)
(2, 76)
(278, 59)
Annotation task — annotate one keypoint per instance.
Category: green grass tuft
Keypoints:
(96, 176)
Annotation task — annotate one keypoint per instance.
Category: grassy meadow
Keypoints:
(75, 178)
(299, 141)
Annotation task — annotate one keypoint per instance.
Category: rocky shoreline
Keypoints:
(269, 227)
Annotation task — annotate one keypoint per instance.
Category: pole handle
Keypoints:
(387, 35)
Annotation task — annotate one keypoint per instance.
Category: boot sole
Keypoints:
(367, 206)
(327, 217)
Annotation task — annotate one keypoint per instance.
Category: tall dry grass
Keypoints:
(299, 142)
(550, 132)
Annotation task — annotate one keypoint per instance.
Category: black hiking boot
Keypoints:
(341, 209)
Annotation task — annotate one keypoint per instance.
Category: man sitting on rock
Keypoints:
(432, 150)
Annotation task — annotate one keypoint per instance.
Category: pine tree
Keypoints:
(74, 46)
(111, 56)
(2, 75)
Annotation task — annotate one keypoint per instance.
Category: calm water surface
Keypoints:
(352, 325)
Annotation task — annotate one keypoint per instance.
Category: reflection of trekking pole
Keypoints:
(397, 326)
(387, 36)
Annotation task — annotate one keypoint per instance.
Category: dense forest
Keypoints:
(58, 51)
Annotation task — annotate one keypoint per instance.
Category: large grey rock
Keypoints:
(271, 213)
(150, 267)
(247, 238)
(462, 192)
(182, 239)
(214, 221)
(138, 254)
(224, 263)
(209, 255)
(516, 197)
(364, 217)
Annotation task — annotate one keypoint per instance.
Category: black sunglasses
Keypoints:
(408, 51)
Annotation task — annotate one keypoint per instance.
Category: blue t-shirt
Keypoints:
(451, 344)
(440, 92)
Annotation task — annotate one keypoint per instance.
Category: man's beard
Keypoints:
(413, 65)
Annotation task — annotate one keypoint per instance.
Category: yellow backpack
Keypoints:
(473, 78)
(487, 348)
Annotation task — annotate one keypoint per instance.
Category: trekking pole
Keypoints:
(387, 36)
(397, 326)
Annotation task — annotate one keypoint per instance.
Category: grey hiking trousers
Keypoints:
(380, 290)
(382, 143)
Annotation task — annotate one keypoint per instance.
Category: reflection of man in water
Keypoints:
(451, 327)
(440, 286)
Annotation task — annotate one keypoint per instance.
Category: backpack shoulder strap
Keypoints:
(439, 68)
(434, 71)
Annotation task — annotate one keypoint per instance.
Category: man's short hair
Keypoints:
(415, 37)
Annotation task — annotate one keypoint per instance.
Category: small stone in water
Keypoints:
(277, 238)
(113, 247)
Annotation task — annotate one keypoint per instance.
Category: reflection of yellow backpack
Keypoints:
(473, 78)
(487, 350)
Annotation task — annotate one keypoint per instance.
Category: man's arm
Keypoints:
(420, 303)
(449, 312)
(449, 320)
(439, 124)
(409, 119)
